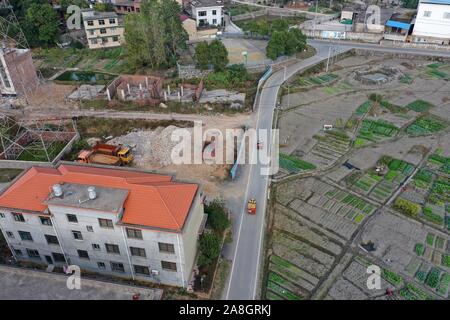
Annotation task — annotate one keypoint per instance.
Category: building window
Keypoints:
(93, 41)
(90, 23)
(166, 247)
(115, 38)
(89, 229)
(46, 221)
(117, 267)
(34, 254)
(102, 31)
(58, 257)
(101, 22)
(446, 15)
(83, 254)
(427, 14)
(171, 266)
(214, 21)
(2, 215)
(105, 223)
(18, 217)
(51, 239)
(101, 265)
(141, 270)
(134, 233)
(91, 32)
(77, 235)
(202, 13)
(139, 252)
(10, 234)
(105, 40)
(72, 218)
(112, 248)
(25, 236)
(214, 12)
(112, 21)
(96, 246)
(18, 252)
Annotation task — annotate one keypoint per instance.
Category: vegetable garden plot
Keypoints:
(426, 125)
(374, 131)
(420, 106)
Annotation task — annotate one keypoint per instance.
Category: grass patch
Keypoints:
(419, 106)
(7, 175)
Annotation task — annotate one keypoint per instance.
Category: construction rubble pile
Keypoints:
(150, 146)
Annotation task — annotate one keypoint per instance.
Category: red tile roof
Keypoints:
(154, 200)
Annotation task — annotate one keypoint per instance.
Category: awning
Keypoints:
(398, 24)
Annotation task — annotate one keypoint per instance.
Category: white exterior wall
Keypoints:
(434, 26)
(209, 15)
(94, 35)
(37, 230)
(185, 243)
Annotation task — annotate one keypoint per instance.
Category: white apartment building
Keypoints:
(207, 13)
(432, 22)
(103, 29)
(120, 222)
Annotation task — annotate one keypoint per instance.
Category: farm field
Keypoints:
(372, 184)
(379, 186)
(417, 253)
(427, 196)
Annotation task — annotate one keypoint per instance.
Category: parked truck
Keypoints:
(124, 153)
(90, 156)
(106, 154)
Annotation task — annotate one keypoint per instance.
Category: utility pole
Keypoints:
(315, 17)
(328, 59)
(284, 76)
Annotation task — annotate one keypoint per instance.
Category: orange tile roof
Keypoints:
(154, 200)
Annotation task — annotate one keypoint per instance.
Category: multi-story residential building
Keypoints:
(103, 29)
(432, 23)
(207, 13)
(121, 222)
(127, 6)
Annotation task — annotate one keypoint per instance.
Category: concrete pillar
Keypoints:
(182, 91)
(146, 82)
(123, 94)
(168, 89)
(140, 86)
(128, 86)
(109, 94)
(165, 95)
(179, 96)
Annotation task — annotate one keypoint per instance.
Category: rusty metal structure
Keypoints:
(35, 139)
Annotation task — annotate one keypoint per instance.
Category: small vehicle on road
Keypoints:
(251, 206)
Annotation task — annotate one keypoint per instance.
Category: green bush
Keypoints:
(217, 215)
(209, 249)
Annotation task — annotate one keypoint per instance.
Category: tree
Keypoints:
(295, 42)
(154, 36)
(279, 25)
(277, 45)
(41, 24)
(217, 216)
(202, 55)
(411, 4)
(209, 249)
(218, 55)
(104, 7)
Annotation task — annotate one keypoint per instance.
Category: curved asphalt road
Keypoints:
(246, 263)
(244, 277)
